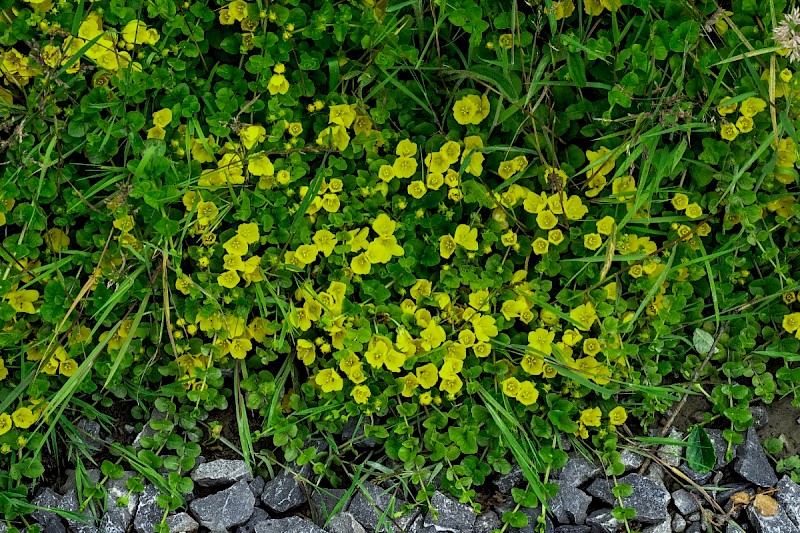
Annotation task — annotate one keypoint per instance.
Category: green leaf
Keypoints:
(623, 490)
(576, 69)
(703, 341)
(30, 467)
(516, 519)
(379, 432)
(112, 470)
(700, 454)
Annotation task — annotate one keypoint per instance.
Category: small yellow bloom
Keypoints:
(726, 109)
(693, 210)
(680, 201)
(729, 131)
(752, 106)
(23, 417)
(617, 416)
(329, 380)
(361, 394)
(592, 241)
(591, 417)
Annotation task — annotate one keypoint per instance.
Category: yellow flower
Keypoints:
(162, 118)
(532, 364)
(260, 165)
(729, 131)
(342, 114)
(22, 301)
(406, 148)
(450, 383)
(574, 208)
(427, 375)
(507, 169)
(446, 246)
(591, 417)
(465, 111)
(617, 416)
(482, 349)
(510, 387)
(23, 417)
(249, 232)
(605, 226)
(752, 106)
(694, 211)
(404, 167)
(228, 279)
(791, 322)
(236, 245)
(325, 241)
(680, 201)
(5, 423)
(361, 394)
(329, 380)
(386, 173)
(541, 340)
(450, 151)
(252, 134)
(278, 84)
(546, 219)
(306, 253)
(744, 124)
(56, 240)
(541, 246)
(466, 237)
(585, 315)
(591, 346)
(294, 128)
(360, 264)
(239, 347)
(592, 241)
(527, 393)
(509, 238)
(484, 327)
(592, 156)
(156, 132)
(726, 109)
(563, 9)
(417, 189)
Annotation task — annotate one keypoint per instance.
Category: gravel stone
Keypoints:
(631, 460)
(649, 499)
(117, 519)
(225, 509)
(570, 505)
(51, 527)
(672, 454)
(662, 527)
(721, 447)
(760, 416)
(89, 434)
(148, 514)
(487, 522)
(697, 477)
(182, 523)
(323, 502)
(293, 524)
(258, 516)
(356, 434)
(46, 498)
(778, 523)
(221, 472)
(506, 482)
(578, 471)
(685, 501)
(694, 528)
(257, 487)
(93, 475)
(602, 521)
(678, 524)
(371, 505)
(573, 529)
(283, 493)
(788, 497)
(752, 463)
(452, 515)
(69, 502)
(345, 523)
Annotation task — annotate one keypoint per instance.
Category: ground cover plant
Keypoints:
(477, 229)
